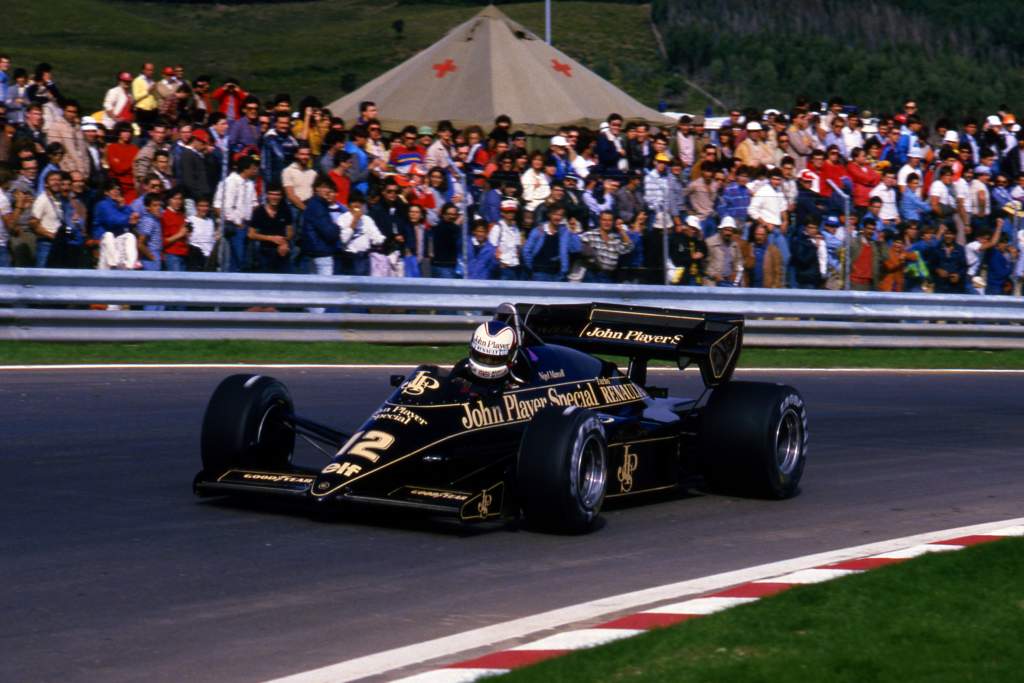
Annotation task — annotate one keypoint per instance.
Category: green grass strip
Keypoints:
(239, 351)
(954, 616)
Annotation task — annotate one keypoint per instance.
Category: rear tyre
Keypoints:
(244, 425)
(755, 439)
(562, 470)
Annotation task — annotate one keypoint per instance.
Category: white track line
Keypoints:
(447, 646)
(400, 366)
(700, 606)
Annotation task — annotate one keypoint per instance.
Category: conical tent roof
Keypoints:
(487, 66)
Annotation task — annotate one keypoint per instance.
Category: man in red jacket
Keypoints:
(864, 180)
(228, 98)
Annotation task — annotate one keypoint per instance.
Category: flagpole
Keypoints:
(547, 21)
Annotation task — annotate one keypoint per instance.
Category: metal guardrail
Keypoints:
(47, 304)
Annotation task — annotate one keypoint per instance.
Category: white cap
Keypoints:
(915, 154)
(769, 112)
(869, 128)
(559, 141)
(727, 222)
(994, 120)
(754, 125)
(951, 137)
(88, 123)
(693, 221)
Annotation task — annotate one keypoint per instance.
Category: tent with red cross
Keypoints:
(487, 66)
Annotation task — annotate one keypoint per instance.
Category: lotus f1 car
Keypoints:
(563, 432)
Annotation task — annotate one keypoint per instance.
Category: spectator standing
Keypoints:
(278, 150)
(546, 252)
(202, 233)
(271, 228)
(22, 240)
(65, 130)
(656, 194)
(144, 96)
(482, 262)
(112, 227)
(17, 98)
(949, 265)
(734, 201)
(118, 104)
(446, 238)
(886, 192)
(686, 253)
(175, 231)
(767, 270)
(439, 152)
(754, 152)
(320, 234)
(47, 218)
(194, 172)
(725, 258)
(866, 257)
(244, 132)
(31, 132)
(864, 179)
(142, 165)
(236, 200)
(602, 248)
(536, 184)
(391, 216)
(297, 180)
(810, 258)
(228, 99)
(629, 199)
(611, 153)
(149, 232)
(506, 239)
(120, 155)
(359, 235)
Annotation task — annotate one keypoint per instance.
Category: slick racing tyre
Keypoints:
(755, 439)
(562, 470)
(244, 425)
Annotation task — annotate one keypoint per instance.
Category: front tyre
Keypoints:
(755, 439)
(562, 470)
(244, 425)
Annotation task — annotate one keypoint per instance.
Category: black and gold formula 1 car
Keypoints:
(565, 431)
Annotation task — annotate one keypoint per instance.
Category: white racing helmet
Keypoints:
(492, 350)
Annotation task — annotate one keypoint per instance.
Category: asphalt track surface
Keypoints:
(111, 570)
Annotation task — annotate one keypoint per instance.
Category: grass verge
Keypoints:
(946, 617)
(238, 351)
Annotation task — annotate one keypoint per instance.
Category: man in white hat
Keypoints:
(686, 252)
(754, 151)
(558, 156)
(506, 239)
(913, 165)
(725, 258)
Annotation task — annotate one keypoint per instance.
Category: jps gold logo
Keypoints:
(484, 506)
(625, 471)
(420, 383)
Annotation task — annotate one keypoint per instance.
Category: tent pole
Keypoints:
(547, 21)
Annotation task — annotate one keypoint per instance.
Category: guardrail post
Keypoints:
(847, 233)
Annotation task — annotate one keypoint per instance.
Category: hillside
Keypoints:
(324, 47)
(954, 57)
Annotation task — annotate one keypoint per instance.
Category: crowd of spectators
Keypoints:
(179, 173)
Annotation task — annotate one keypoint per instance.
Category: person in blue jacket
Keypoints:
(547, 249)
(482, 262)
(949, 266)
(320, 234)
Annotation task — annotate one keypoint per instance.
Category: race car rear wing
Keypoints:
(711, 340)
